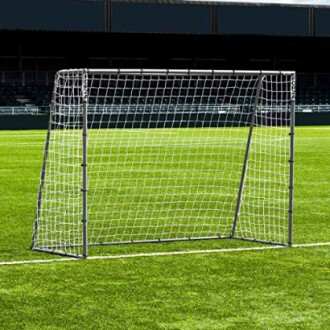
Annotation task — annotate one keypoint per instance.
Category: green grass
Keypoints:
(269, 289)
(155, 184)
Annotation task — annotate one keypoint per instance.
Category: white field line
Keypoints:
(20, 134)
(142, 139)
(40, 145)
(159, 254)
(325, 127)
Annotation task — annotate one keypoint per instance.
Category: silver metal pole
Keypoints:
(247, 149)
(84, 162)
(43, 171)
(41, 185)
(291, 183)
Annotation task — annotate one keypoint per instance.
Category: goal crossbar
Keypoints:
(179, 72)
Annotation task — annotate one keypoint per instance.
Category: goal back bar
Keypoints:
(165, 155)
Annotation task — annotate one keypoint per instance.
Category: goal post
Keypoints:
(136, 156)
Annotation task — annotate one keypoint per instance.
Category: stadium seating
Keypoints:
(13, 95)
(311, 95)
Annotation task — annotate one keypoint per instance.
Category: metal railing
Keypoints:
(44, 110)
(313, 108)
(23, 110)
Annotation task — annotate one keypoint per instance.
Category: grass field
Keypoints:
(265, 289)
(164, 184)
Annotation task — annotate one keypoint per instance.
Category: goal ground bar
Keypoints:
(159, 254)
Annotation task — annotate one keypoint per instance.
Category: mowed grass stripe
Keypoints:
(20, 170)
(268, 289)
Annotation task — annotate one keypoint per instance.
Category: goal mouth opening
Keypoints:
(165, 155)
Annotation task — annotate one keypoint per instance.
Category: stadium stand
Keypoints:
(313, 95)
(31, 58)
(40, 95)
(12, 95)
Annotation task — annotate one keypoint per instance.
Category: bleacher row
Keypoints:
(31, 95)
(38, 95)
(311, 95)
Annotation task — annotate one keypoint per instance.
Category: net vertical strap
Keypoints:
(165, 153)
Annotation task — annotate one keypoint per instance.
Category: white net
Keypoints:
(166, 151)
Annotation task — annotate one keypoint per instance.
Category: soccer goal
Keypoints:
(136, 156)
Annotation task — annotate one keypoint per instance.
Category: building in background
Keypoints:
(40, 37)
(91, 15)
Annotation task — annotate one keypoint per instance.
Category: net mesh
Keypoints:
(165, 158)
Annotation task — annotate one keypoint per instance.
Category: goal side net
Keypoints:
(165, 155)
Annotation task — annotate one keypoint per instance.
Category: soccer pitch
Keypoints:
(264, 289)
(164, 184)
